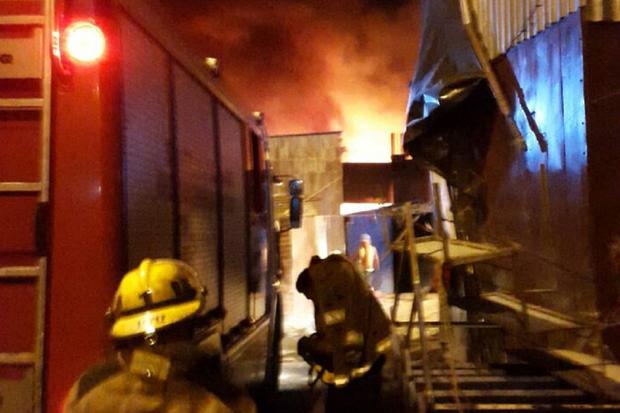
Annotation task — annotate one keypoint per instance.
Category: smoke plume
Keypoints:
(313, 65)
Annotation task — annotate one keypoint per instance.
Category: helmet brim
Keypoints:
(152, 320)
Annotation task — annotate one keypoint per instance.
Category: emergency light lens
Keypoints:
(84, 42)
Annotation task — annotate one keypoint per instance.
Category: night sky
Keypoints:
(312, 65)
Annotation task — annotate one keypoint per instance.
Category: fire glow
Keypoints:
(314, 66)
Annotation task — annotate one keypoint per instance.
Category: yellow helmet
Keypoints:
(157, 294)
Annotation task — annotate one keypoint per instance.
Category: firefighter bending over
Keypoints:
(353, 334)
(157, 366)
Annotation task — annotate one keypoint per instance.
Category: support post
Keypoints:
(417, 304)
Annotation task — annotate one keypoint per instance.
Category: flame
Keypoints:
(366, 133)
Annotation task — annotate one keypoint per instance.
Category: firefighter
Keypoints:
(157, 367)
(348, 350)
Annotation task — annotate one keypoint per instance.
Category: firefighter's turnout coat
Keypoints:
(352, 329)
(192, 386)
(124, 392)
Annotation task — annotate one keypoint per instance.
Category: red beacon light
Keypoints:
(84, 42)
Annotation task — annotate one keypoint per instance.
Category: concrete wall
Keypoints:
(315, 158)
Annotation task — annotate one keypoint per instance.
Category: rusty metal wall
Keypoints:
(602, 86)
(367, 182)
(540, 199)
(396, 182)
(198, 233)
(147, 147)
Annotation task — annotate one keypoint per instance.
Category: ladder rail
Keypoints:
(34, 273)
(44, 198)
(47, 99)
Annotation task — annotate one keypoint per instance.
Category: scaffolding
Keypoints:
(445, 253)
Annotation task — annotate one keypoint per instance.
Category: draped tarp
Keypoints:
(450, 108)
(447, 70)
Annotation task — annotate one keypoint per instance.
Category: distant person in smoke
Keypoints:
(366, 258)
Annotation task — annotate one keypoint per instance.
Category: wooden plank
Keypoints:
(535, 311)
(461, 252)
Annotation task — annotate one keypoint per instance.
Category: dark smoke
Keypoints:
(310, 65)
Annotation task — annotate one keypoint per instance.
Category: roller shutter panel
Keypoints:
(147, 147)
(197, 180)
(234, 218)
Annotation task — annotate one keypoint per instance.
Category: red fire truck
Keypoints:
(116, 144)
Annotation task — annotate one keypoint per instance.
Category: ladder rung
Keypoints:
(19, 272)
(17, 358)
(417, 371)
(511, 393)
(457, 365)
(491, 379)
(20, 186)
(21, 103)
(29, 20)
(539, 407)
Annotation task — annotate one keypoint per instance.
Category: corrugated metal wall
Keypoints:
(503, 24)
(602, 10)
(197, 180)
(147, 147)
(234, 217)
(540, 199)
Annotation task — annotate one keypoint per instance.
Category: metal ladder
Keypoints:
(14, 67)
